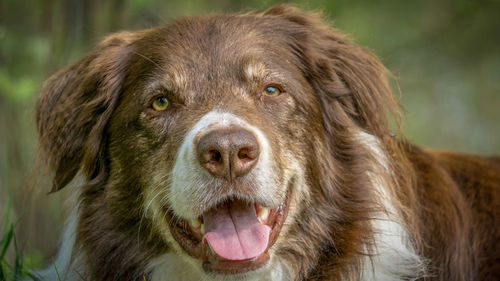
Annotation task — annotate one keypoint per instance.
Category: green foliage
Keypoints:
(20, 268)
(57, 271)
(16, 90)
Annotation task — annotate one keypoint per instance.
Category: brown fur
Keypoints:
(89, 120)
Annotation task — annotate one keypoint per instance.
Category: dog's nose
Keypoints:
(228, 153)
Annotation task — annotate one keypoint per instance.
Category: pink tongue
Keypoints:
(234, 232)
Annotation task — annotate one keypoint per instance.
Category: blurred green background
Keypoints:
(445, 55)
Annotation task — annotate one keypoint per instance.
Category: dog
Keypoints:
(255, 146)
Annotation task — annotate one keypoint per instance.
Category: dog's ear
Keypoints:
(75, 106)
(343, 74)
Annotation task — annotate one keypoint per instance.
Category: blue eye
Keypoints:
(271, 91)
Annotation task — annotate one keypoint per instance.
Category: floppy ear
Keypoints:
(74, 108)
(343, 74)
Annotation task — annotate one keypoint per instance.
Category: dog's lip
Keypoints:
(191, 242)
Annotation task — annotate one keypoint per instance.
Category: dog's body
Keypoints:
(255, 147)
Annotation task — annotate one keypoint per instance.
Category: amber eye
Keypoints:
(271, 91)
(160, 104)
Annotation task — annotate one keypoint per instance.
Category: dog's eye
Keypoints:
(160, 104)
(271, 91)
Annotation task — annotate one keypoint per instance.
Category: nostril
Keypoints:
(213, 161)
(214, 156)
(245, 160)
(243, 154)
(247, 154)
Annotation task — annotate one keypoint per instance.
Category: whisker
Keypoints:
(146, 209)
(148, 59)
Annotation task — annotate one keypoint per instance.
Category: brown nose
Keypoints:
(228, 153)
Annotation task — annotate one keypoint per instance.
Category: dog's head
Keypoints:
(229, 140)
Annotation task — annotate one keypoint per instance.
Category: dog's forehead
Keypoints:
(218, 38)
(219, 49)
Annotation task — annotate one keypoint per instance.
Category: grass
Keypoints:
(19, 268)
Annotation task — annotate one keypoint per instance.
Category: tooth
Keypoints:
(202, 228)
(211, 249)
(263, 214)
(195, 223)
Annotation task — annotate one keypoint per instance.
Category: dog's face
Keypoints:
(215, 138)
(216, 129)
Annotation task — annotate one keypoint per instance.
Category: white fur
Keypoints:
(255, 70)
(65, 267)
(393, 258)
(191, 183)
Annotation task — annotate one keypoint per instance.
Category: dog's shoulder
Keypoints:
(472, 173)
(465, 190)
(477, 176)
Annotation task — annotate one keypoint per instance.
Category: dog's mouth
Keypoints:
(232, 237)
